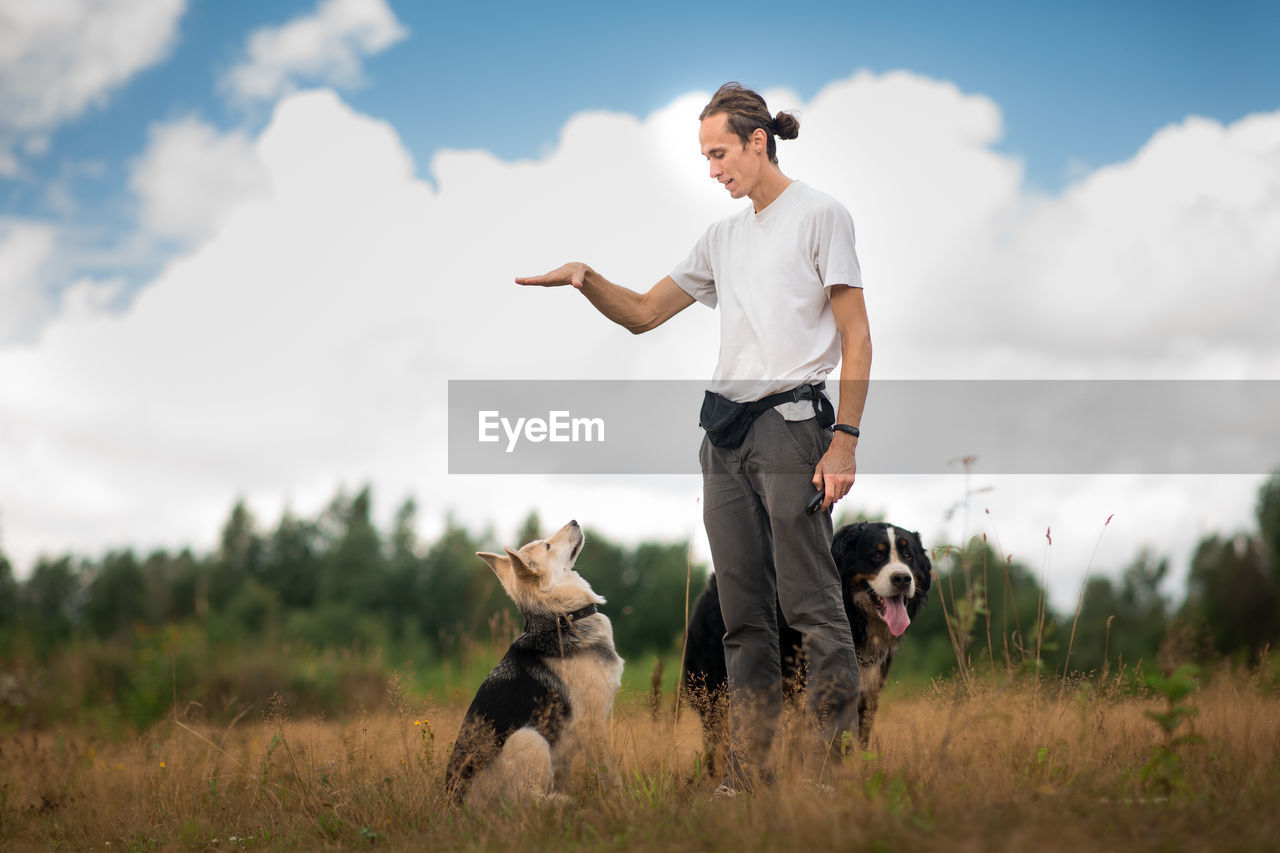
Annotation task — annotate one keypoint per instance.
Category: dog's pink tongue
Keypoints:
(895, 613)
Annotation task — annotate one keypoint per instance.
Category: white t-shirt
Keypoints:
(771, 273)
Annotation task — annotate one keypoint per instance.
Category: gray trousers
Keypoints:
(765, 549)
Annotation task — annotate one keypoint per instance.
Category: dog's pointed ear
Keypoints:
(522, 570)
(501, 565)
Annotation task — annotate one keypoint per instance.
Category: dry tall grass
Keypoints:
(979, 767)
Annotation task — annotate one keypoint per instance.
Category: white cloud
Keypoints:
(1163, 265)
(61, 57)
(87, 298)
(26, 248)
(1176, 248)
(325, 47)
(34, 255)
(191, 175)
(307, 341)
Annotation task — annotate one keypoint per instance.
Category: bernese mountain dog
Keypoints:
(885, 576)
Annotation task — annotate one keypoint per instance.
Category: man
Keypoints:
(786, 278)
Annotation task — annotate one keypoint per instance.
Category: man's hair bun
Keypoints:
(786, 126)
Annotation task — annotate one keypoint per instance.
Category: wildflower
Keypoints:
(161, 765)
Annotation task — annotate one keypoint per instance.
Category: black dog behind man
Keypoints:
(885, 576)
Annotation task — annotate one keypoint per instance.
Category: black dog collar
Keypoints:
(566, 621)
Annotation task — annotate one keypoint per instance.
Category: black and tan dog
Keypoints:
(885, 576)
(548, 701)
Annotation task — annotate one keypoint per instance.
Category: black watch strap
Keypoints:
(852, 430)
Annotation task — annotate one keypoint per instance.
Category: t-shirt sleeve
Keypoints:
(695, 276)
(835, 255)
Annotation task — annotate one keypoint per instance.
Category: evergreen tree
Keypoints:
(530, 530)
(1268, 514)
(239, 558)
(8, 603)
(1232, 595)
(456, 591)
(116, 595)
(291, 564)
(51, 602)
(353, 571)
(405, 568)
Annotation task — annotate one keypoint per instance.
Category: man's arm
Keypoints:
(837, 467)
(637, 312)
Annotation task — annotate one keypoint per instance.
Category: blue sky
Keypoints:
(1080, 85)
(1082, 81)
(236, 221)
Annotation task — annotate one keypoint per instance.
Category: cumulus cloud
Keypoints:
(61, 57)
(25, 249)
(1159, 266)
(190, 175)
(1164, 265)
(325, 47)
(32, 253)
(307, 339)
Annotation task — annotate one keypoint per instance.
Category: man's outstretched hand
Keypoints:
(572, 274)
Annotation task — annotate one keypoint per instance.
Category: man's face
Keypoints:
(733, 164)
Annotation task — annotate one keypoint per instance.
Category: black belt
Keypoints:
(795, 395)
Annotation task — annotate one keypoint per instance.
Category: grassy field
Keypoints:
(1189, 765)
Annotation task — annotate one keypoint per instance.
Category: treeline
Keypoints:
(330, 581)
(319, 610)
(325, 608)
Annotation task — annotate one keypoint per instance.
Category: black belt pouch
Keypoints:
(725, 421)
